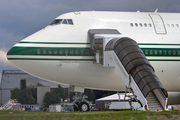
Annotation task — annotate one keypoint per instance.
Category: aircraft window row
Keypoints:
(150, 25)
(164, 52)
(173, 25)
(62, 21)
(65, 51)
(140, 25)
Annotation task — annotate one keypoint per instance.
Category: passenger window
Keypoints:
(165, 52)
(61, 51)
(145, 24)
(71, 51)
(155, 52)
(174, 52)
(178, 52)
(140, 25)
(38, 51)
(50, 51)
(168, 25)
(169, 52)
(172, 25)
(160, 52)
(131, 25)
(77, 51)
(44, 51)
(64, 22)
(82, 51)
(136, 24)
(55, 51)
(70, 21)
(150, 25)
(146, 52)
(177, 25)
(151, 52)
(66, 51)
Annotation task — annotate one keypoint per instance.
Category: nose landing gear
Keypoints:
(80, 103)
(84, 106)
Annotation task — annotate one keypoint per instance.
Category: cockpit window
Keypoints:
(62, 21)
(57, 21)
(70, 21)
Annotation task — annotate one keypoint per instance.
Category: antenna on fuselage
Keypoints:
(156, 10)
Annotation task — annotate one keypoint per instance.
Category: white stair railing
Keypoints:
(10, 105)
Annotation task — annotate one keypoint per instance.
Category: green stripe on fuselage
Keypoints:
(50, 51)
(51, 59)
(54, 51)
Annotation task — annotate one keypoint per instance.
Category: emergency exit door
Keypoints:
(158, 23)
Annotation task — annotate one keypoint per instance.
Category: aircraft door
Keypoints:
(158, 23)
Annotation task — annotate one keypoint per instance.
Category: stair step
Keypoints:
(153, 102)
(155, 110)
(150, 97)
(150, 94)
(154, 106)
(159, 108)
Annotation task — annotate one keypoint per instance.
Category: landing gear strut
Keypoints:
(80, 102)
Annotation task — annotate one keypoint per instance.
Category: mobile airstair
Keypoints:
(12, 104)
(111, 49)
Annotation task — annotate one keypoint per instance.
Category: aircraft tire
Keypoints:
(84, 106)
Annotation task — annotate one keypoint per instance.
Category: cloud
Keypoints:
(3, 58)
(4, 64)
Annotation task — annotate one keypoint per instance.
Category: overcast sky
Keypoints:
(20, 18)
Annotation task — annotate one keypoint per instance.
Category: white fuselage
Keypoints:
(39, 54)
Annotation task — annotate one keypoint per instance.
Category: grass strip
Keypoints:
(100, 115)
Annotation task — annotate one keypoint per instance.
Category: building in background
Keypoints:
(18, 79)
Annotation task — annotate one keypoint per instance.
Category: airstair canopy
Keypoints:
(136, 64)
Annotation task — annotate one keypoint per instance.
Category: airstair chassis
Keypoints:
(110, 59)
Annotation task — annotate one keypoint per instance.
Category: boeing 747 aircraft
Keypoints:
(108, 51)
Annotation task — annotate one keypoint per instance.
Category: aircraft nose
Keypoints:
(14, 57)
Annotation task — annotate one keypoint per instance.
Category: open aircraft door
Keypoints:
(158, 23)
